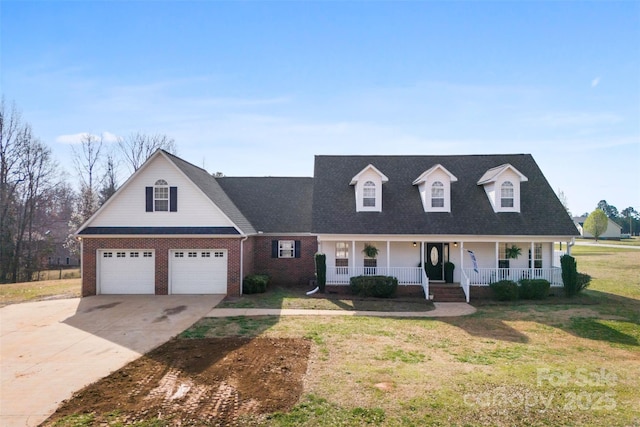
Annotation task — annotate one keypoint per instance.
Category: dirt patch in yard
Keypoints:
(211, 381)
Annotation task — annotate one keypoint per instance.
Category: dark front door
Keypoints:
(434, 261)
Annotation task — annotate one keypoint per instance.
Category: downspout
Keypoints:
(242, 260)
(570, 245)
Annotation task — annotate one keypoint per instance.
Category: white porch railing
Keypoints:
(485, 276)
(425, 283)
(465, 284)
(405, 275)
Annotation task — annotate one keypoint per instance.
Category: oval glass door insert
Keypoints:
(434, 255)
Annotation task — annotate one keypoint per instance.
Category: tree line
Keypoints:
(628, 219)
(39, 208)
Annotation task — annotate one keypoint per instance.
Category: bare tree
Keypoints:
(86, 160)
(138, 147)
(26, 175)
(109, 180)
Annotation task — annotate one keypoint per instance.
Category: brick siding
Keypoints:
(284, 271)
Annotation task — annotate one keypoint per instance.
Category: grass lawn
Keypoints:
(277, 297)
(13, 293)
(557, 363)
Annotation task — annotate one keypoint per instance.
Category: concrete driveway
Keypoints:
(50, 349)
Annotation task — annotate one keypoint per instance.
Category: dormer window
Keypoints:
(161, 197)
(502, 185)
(369, 194)
(368, 189)
(434, 186)
(437, 195)
(506, 195)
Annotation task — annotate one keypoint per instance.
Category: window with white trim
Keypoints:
(161, 196)
(178, 255)
(342, 257)
(369, 194)
(503, 261)
(537, 255)
(286, 248)
(437, 195)
(147, 254)
(134, 254)
(506, 195)
(205, 254)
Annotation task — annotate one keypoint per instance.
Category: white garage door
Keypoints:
(126, 271)
(202, 271)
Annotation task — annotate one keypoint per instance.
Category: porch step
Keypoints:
(447, 292)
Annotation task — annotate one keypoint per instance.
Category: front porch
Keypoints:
(416, 276)
(419, 261)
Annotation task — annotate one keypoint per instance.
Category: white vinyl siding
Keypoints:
(128, 209)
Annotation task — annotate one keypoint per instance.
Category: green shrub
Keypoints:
(582, 281)
(505, 290)
(321, 271)
(569, 274)
(534, 288)
(255, 284)
(374, 286)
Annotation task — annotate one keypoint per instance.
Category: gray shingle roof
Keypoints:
(334, 209)
(272, 204)
(212, 189)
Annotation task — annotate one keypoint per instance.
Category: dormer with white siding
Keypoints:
(434, 186)
(502, 185)
(368, 189)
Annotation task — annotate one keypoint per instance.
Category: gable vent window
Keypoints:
(506, 195)
(161, 197)
(369, 194)
(437, 195)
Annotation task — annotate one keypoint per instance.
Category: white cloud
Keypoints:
(76, 138)
(595, 82)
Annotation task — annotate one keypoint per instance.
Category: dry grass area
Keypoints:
(13, 293)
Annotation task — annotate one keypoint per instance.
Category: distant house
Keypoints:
(173, 228)
(614, 231)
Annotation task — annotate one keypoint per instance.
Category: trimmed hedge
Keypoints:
(569, 274)
(505, 290)
(374, 286)
(582, 281)
(255, 284)
(534, 288)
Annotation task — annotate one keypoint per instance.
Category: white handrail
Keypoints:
(466, 285)
(425, 284)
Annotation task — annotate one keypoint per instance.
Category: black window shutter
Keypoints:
(274, 249)
(148, 191)
(297, 249)
(173, 199)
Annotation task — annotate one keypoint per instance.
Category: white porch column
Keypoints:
(461, 256)
(497, 255)
(422, 255)
(353, 257)
(388, 256)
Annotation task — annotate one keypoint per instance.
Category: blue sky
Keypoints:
(259, 88)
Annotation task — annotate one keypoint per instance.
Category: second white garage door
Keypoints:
(201, 271)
